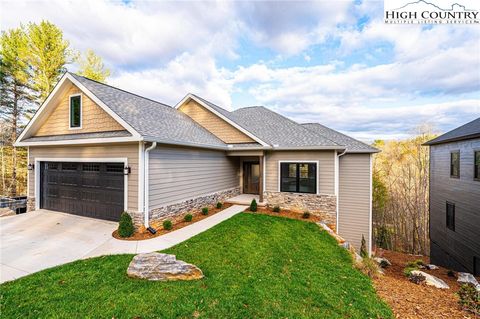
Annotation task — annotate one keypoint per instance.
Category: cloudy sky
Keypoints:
(333, 62)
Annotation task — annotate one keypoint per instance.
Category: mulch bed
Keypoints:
(142, 233)
(409, 300)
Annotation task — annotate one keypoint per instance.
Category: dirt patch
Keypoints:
(409, 300)
(142, 233)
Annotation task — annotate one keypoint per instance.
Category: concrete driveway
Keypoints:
(42, 239)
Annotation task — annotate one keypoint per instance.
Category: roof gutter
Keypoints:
(146, 183)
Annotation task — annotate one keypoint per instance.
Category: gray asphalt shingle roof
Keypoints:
(466, 131)
(351, 144)
(150, 118)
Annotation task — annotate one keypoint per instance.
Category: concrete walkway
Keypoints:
(42, 239)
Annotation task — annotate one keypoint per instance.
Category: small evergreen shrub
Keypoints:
(276, 209)
(125, 225)
(188, 218)
(451, 273)
(306, 215)
(219, 205)
(205, 210)
(413, 265)
(416, 279)
(369, 267)
(363, 248)
(167, 224)
(469, 298)
(253, 205)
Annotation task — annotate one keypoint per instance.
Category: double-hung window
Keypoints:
(476, 165)
(75, 111)
(298, 177)
(455, 164)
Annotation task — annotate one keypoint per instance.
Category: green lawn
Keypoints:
(255, 266)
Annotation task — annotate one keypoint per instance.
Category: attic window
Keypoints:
(76, 111)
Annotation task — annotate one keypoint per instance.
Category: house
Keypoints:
(455, 198)
(96, 150)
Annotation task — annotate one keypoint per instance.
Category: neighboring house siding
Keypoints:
(354, 198)
(130, 151)
(94, 118)
(326, 168)
(214, 124)
(179, 174)
(454, 249)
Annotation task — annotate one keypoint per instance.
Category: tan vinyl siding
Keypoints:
(130, 151)
(354, 198)
(178, 174)
(214, 124)
(94, 118)
(326, 169)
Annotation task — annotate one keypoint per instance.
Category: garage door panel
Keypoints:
(84, 189)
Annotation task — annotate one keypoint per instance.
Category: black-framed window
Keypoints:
(476, 266)
(476, 165)
(450, 216)
(298, 177)
(75, 111)
(455, 164)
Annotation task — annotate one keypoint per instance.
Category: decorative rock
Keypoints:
(382, 262)
(467, 278)
(162, 267)
(431, 280)
(431, 267)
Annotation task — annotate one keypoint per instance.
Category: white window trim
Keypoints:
(70, 127)
(123, 160)
(299, 161)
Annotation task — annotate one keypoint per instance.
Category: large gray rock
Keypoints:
(162, 267)
(382, 262)
(431, 280)
(467, 278)
(431, 267)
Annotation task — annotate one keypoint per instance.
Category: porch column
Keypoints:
(260, 180)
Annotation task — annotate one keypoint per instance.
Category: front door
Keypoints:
(251, 177)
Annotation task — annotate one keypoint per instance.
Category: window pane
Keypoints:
(455, 164)
(450, 216)
(307, 182)
(288, 178)
(75, 111)
(477, 164)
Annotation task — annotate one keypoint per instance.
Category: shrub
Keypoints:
(253, 205)
(188, 218)
(125, 225)
(167, 224)
(363, 248)
(205, 210)
(413, 265)
(306, 215)
(369, 267)
(451, 273)
(219, 205)
(276, 209)
(416, 279)
(469, 298)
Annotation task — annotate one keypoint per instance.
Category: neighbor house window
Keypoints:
(451, 216)
(298, 177)
(476, 165)
(455, 164)
(75, 111)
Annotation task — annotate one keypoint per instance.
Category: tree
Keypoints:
(15, 95)
(92, 67)
(49, 52)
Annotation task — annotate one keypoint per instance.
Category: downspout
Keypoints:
(337, 182)
(146, 185)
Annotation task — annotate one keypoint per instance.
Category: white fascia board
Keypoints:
(300, 148)
(238, 127)
(81, 141)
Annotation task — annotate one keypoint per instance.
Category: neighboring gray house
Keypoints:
(455, 198)
(96, 150)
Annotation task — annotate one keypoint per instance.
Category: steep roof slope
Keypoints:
(351, 144)
(466, 131)
(150, 118)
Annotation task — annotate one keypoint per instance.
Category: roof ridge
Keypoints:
(119, 89)
(207, 101)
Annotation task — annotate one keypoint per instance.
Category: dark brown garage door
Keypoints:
(87, 189)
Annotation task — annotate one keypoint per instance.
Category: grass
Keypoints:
(255, 266)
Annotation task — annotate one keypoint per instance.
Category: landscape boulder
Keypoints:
(431, 280)
(162, 267)
(382, 262)
(431, 267)
(467, 278)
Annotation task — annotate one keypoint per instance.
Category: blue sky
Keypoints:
(333, 62)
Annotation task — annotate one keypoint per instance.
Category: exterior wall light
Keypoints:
(31, 167)
(126, 170)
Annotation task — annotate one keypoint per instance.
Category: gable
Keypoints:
(94, 118)
(213, 123)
